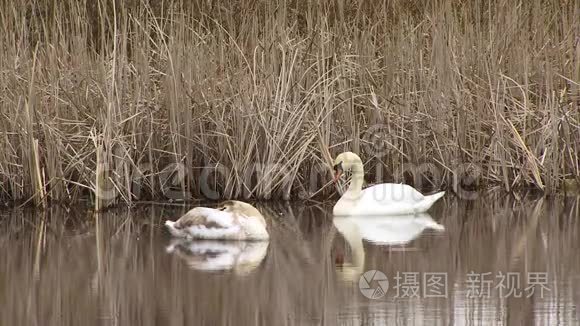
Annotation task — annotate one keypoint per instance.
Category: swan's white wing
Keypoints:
(208, 217)
(208, 223)
(383, 199)
(254, 227)
(391, 193)
(386, 199)
(216, 218)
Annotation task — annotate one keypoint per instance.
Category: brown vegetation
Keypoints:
(93, 95)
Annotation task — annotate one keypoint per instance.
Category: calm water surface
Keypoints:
(71, 267)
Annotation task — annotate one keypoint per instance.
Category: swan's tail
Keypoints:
(174, 232)
(427, 202)
(435, 226)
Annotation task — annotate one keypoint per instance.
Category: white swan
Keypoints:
(380, 231)
(381, 199)
(233, 220)
(210, 255)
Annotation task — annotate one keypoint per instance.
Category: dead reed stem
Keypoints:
(264, 94)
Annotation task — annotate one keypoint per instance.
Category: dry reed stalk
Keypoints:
(491, 85)
(33, 155)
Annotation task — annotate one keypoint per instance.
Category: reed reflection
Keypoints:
(70, 266)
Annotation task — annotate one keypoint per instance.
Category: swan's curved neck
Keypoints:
(357, 178)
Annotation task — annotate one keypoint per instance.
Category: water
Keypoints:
(69, 267)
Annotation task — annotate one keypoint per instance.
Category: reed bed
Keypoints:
(127, 100)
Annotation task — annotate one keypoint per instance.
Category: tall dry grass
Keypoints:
(99, 96)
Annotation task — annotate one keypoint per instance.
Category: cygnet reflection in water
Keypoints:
(211, 255)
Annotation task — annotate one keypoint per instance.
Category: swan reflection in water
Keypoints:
(242, 257)
(396, 230)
